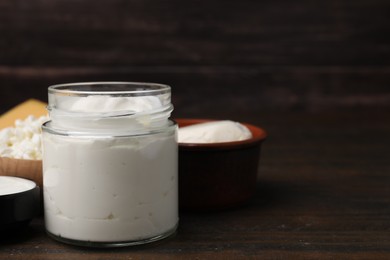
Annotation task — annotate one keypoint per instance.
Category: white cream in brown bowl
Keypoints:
(214, 132)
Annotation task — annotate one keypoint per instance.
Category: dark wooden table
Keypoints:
(323, 193)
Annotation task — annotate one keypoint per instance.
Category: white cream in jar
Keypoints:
(110, 164)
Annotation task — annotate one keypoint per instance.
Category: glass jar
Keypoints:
(110, 164)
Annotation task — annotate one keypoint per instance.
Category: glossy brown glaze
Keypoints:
(215, 176)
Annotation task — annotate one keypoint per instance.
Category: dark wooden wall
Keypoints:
(236, 56)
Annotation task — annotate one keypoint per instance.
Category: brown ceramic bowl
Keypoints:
(217, 176)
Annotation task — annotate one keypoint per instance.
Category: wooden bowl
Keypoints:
(216, 176)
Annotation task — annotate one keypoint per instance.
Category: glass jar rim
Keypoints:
(48, 127)
(138, 106)
(130, 89)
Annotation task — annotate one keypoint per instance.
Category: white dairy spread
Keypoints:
(103, 103)
(12, 185)
(101, 112)
(214, 132)
(106, 189)
(24, 140)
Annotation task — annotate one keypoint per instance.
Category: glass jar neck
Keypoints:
(109, 106)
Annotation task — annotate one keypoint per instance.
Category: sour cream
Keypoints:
(110, 172)
(11, 185)
(214, 132)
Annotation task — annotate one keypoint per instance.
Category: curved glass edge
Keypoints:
(171, 126)
(115, 88)
(60, 95)
(114, 244)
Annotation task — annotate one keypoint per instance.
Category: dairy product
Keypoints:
(23, 141)
(110, 189)
(105, 103)
(214, 132)
(11, 185)
(110, 186)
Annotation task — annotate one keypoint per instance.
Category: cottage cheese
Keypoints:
(24, 140)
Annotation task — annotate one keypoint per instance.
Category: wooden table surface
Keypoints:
(323, 187)
(323, 193)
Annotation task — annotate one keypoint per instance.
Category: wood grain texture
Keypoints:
(314, 74)
(101, 33)
(278, 55)
(322, 193)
